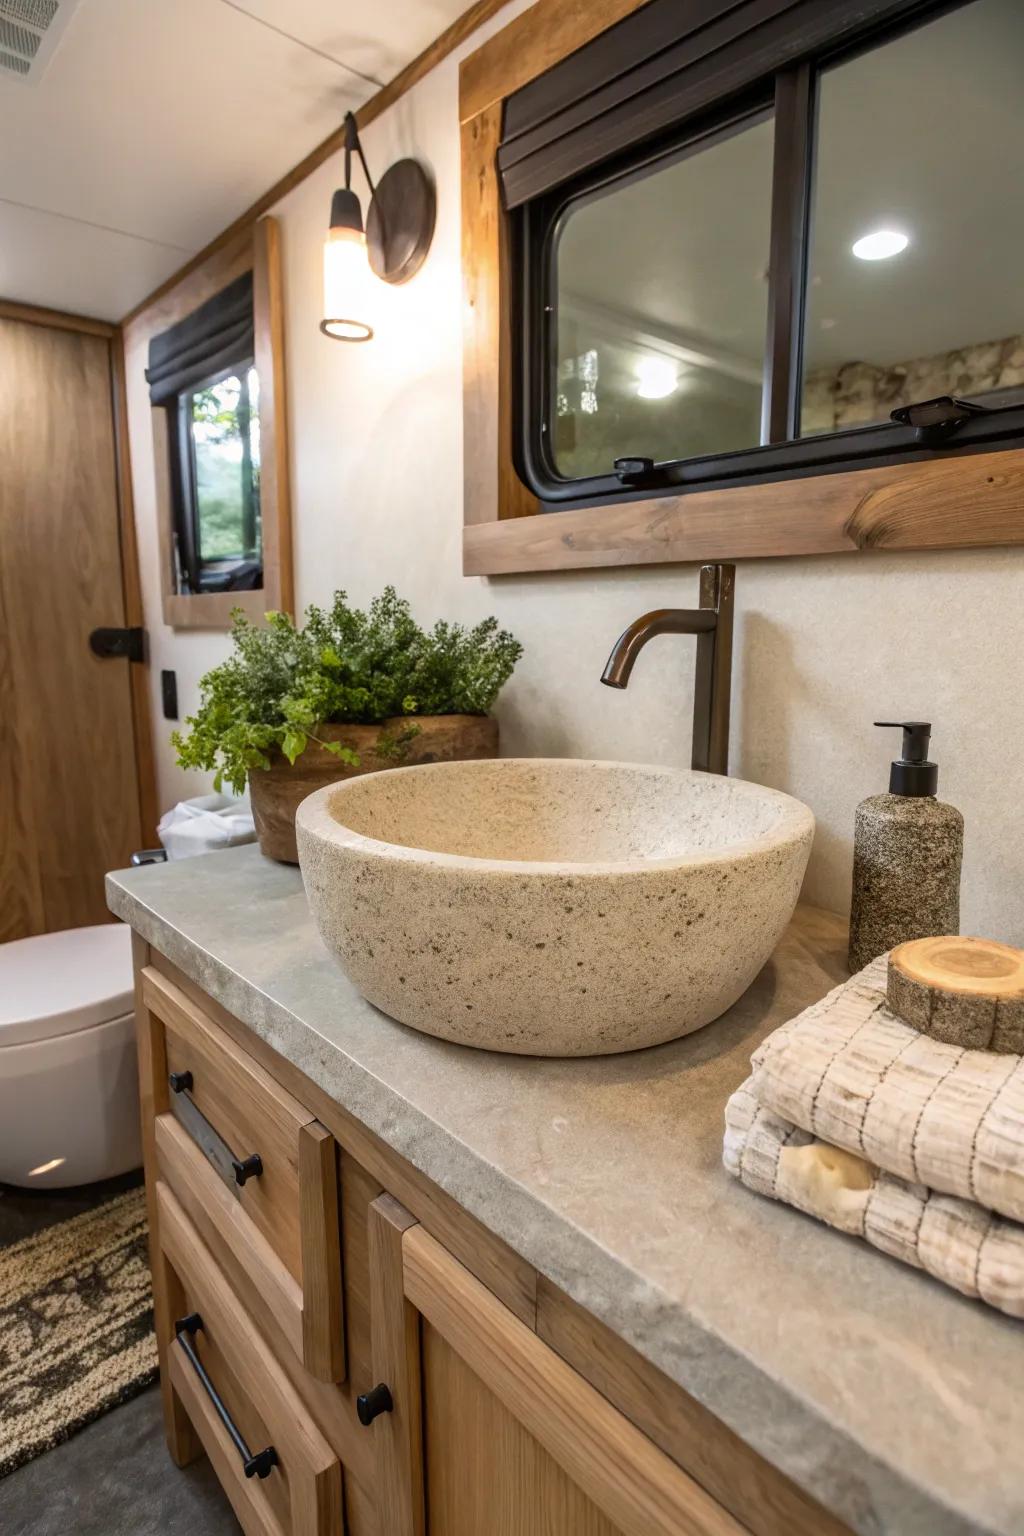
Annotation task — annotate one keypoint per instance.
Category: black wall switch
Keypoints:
(169, 693)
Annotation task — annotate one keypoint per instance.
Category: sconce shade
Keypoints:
(346, 278)
(345, 210)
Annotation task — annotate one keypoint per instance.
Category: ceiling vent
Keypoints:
(29, 33)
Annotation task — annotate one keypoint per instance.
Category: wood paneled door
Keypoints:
(70, 723)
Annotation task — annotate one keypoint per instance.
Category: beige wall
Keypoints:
(824, 646)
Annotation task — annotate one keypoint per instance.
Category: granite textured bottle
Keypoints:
(907, 851)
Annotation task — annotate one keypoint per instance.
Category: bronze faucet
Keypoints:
(712, 624)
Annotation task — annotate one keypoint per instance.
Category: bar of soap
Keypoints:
(967, 992)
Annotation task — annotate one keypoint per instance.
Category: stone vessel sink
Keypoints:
(552, 907)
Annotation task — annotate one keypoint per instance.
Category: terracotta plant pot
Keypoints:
(276, 791)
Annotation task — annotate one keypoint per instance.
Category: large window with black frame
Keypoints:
(202, 376)
(783, 241)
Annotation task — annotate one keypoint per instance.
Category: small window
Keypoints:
(661, 304)
(752, 290)
(202, 376)
(218, 516)
(914, 261)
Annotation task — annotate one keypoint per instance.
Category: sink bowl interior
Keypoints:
(557, 811)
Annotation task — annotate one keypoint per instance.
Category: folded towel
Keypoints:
(854, 1117)
(957, 1241)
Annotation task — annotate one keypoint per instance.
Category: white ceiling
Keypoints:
(157, 122)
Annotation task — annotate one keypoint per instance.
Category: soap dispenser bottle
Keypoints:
(907, 852)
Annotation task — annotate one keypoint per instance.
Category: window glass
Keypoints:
(661, 293)
(914, 281)
(225, 429)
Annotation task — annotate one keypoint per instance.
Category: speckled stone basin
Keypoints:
(550, 906)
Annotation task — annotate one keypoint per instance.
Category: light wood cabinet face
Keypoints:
(301, 1492)
(485, 1473)
(492, 1433)
(276, 1234)
(513, 1411)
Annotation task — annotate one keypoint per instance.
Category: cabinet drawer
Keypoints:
(256, 1172)
(276, 1467)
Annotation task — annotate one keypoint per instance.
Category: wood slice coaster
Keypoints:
(967, 992)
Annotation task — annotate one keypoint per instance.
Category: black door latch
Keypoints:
(130, 643)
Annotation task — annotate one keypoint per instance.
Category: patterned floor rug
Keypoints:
(76, 1326)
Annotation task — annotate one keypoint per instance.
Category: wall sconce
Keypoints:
(399, 229)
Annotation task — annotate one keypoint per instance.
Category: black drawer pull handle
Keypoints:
(209, 1139)
(370, 1404)
(258, 1465)
(248, 1168)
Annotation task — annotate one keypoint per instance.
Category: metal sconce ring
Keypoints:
(400, 221)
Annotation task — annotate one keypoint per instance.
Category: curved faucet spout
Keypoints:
(712, 624)
(661, 621)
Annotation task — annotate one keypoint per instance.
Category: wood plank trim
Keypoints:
(394, 1327)
(534, 41)
(56, 319)
(168, 1296)
(451, 38)
(323, 1322)
(640, 1489)
(954, 501)
(278, 590)
(134, 614)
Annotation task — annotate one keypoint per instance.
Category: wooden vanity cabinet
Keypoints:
(489, 1430)
(413, 1375)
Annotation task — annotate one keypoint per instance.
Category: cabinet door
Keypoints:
(490, 1432)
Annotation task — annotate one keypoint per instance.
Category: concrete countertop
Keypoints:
(893, 1401)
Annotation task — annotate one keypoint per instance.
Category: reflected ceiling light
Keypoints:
(656, 377)
(55, 1162)
(880, 244)
(394, 244)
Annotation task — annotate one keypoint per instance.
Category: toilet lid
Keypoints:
(56, 983)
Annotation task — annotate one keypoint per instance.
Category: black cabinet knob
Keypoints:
(181, 1082)
(248, 1168)
(377, 1400)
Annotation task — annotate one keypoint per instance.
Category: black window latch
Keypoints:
(936, 420)
(633, 471)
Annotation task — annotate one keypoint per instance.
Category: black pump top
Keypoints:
(912, 774)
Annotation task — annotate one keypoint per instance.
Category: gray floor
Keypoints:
(114, 1478)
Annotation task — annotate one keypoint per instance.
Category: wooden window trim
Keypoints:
(256, 248)
(956, 500)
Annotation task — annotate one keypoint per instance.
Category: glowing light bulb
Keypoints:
(656, 377)
(347, 279)
(880, 244)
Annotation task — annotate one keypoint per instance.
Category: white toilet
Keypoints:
(69, 1096)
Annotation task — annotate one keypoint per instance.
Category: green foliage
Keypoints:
(344, 665)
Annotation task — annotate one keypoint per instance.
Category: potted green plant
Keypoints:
(348, 692)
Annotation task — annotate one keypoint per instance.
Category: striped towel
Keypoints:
(854, 1117)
